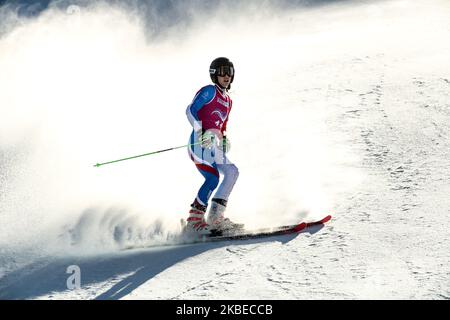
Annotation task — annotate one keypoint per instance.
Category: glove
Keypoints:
(224, 144)
(206, 138)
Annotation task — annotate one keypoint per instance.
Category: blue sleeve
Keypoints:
(204, 96)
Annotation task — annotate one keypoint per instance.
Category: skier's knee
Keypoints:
(233, 171)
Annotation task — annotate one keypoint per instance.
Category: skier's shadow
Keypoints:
(169, 257)
(139, 266)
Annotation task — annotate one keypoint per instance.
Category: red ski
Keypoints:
(266, 232)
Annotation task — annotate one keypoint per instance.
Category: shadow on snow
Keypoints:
(49, 275)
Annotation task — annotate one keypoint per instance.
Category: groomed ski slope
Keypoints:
(389, 104)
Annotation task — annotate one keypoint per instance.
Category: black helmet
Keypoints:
(221, 66)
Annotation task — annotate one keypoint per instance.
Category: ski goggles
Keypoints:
(223, 71)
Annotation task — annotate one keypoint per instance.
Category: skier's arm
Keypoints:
(203, 97)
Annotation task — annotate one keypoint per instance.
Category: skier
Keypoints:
(208, 115)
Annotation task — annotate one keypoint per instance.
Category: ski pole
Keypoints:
(145, 154)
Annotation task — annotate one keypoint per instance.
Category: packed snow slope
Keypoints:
(340, 108)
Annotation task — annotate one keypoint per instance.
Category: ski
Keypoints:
(237, 235)
(265, 232)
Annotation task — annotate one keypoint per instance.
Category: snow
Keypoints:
(364, 102)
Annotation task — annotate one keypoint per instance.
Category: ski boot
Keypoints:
(195, 224)
(216, 219)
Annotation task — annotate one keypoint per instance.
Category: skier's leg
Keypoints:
(204, 160)
(218, 204)
(211, 175)
(196, 221)
(230, 175)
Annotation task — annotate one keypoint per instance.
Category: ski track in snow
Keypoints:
(387, 240)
